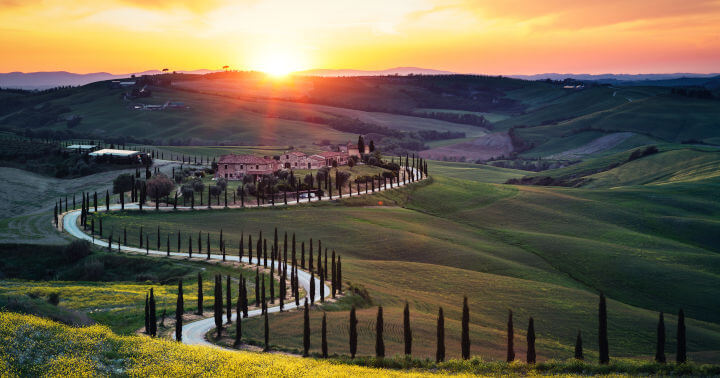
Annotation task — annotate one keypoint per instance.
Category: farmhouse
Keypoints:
(82, 147)
(118, 156)
(233, 167)
(294, 159)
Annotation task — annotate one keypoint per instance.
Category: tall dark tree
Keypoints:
(440, 349)
(152, 319)
(218, 306)
(228, 299)
(147, 314)
(531, 342)
(407, 332)
(361, 145)
(238, 312)
(267, 333)
(306, 329)
(660, 345)
(379, 342)
(179, 311)
(324, 344)
(465, 341)
(257, 287)
(312, 287)
(333, 275)
(681, 356)
(200, 296)
(107, 200)
(353, 332)
(245, 299)
(603, 346)
(322, 284)
(510, 338)
(579, 347)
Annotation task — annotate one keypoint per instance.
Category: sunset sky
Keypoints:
(492, 37)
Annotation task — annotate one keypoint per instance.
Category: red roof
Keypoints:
(331, 154)
(295, 153)
(243, 159)
(317, 157)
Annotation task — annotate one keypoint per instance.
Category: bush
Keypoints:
(54, 298)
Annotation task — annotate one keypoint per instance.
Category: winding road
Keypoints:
(194, 332)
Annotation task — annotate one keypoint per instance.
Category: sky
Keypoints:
(468, 36)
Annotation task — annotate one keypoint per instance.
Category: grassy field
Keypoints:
(108, 288)
(543, 252)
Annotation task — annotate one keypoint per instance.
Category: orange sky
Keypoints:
(493, 37)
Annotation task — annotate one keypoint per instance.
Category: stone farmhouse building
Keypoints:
(234, 167)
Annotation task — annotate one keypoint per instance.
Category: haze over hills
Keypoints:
(51, 79)
(389, 71)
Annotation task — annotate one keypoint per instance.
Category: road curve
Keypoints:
(194, 332)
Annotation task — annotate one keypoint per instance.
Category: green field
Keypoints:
(542, 252)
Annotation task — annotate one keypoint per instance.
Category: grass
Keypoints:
(35, 347)
(556, 246)
(109, 287)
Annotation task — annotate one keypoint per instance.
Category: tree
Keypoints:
(179, 310)
(531, 342)
(361, 145)
(238, 311)
(372, 146)
(147, 314)
(312, 287)
(681, 356)
(660, 346)
(152, 319)
(603, 349)
(217, 305)
(228, 300)
(510, 338)
(353, 332)
(107, 200)
(465, 330)
(339, 276)
(267, 332)
(159, 187)
(123, 183)
(440, 350)
(579, 347)
(200, 292)
(407, 332)
(306, 329)
(324, 345)
(379, 342)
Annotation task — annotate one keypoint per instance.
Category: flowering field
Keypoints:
(31, 346)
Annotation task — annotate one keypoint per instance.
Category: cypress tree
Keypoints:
(179, 311)
(353, 332)
(465, 330)
(510, 338)
(681, 356)
(531, 342)
(168, 244)
(238, 311)
(333, 276)
(228, 297)
(257, 287)
(302, 255)
(440, 350)
(264, 300)
(200, 294)
(324, 344)
(190, 246)
(660, 345)
(152, 320)
(603, 348)
(250, 253)
(267, 333)
(339, 276)
(272, 274)
(147, 314)
(107, 200)
(306, 329)
(241, 246)
(94, 202)
(322, 285)
(379, 342)
(178, 242)
(310, 257)
(147, 244)
(312, 287)
(579, 347)
(407, 332)
(265, 253)
(218, 306)
(245, 299)
(207, 241)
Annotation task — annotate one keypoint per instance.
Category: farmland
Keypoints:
(504, 245)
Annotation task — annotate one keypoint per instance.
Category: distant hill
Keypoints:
(391, 71)
(44, 80)
(613, 77)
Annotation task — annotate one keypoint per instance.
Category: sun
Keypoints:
(279, 63)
